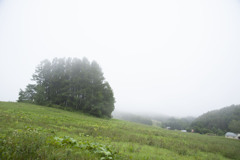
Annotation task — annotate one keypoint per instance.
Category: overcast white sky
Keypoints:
(172, 57)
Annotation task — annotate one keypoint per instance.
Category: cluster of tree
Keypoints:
(219, 121)
(132, 118)
(75, 84)
(178, 123)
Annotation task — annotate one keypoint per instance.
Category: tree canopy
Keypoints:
(71, 83)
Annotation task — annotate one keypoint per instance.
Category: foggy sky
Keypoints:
(179, 58)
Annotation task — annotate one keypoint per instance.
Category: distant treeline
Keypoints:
(219, 121)
(216, 122)
(71, 83)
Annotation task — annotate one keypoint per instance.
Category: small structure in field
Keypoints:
(183, 130)
(232, 135)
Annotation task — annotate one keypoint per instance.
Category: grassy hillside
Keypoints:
(35, 132)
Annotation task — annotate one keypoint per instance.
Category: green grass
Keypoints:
(36, 132)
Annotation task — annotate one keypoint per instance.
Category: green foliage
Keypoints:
(22, 144)
(74, 84)
(59, 134)
(42, 143)
(104, 151)
(234, 126)
(36, 144)
(219, 121)
(28, 94)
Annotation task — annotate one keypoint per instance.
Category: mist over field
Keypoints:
(177, 58)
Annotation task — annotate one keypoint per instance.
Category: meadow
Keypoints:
(30, 131)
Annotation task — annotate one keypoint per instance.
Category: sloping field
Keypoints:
(36, 132)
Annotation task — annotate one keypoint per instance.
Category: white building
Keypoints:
(232, 135)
